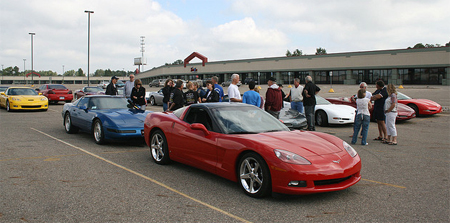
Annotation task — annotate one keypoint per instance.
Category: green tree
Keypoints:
(297, 53)
(419, 45)
(108, 73)
(177, 62)
(69, 73)
(99, 73)
(288, 53)
(321, 51)
(80, 72)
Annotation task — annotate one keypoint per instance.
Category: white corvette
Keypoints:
(327, 113)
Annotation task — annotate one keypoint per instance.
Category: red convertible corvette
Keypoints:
(420, 106)
(404, 112)
(243, 143)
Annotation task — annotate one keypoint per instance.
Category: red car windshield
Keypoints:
(57, 87)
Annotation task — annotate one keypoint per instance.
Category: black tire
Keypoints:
(70, 129)
(152, 101)
(98, 132)
(254, 176)
(8, 108)
(321, 118)
(159, 149)
(415, 108)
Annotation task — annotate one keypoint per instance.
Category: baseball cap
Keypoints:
(114, 77)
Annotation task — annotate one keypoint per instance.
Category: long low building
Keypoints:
(428, 66)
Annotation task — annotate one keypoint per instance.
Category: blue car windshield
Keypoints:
(108, 103)
(247, 120)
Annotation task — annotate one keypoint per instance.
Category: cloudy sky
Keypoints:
(218, 29)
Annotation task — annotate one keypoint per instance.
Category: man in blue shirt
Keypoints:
(217, 87)
(252, 97)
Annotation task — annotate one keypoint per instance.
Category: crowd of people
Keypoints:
(302, 99)
(384, 112)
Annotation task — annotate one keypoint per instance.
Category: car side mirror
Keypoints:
(201, 127)
(40, 93)
(3, 93)
(83, 107)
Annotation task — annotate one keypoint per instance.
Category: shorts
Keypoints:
(379, 115)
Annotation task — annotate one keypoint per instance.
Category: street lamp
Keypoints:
(89, 38)
(32, 67)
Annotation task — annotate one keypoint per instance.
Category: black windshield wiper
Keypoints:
(275, 130)
(243, 133)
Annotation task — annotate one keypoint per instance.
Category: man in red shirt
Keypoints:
(274, 100)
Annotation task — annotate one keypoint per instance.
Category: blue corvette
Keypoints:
(106, 117)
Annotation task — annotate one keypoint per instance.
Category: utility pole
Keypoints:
(32, 67)
(142, 51)
(89, 39)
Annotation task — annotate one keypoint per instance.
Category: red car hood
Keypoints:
(426, 102)
(306, 144)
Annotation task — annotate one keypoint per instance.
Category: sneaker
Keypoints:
(365, 144)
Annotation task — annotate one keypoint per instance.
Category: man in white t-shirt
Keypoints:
(363, 85)
(233, 90)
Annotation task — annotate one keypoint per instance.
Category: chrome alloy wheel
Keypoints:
(157, 147)
(251, 175)
(98, 132)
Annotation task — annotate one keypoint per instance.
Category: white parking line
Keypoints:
(145, 177)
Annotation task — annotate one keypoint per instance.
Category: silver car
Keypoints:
(155, 97)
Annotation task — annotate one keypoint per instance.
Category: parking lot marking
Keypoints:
(392, 185)
(145, 177)
(51, 158)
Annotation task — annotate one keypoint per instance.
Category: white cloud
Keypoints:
(247, 29)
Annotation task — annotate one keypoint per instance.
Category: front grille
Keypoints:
(331, 181)
(31, 106)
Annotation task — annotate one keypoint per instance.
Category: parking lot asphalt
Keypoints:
(50, 176)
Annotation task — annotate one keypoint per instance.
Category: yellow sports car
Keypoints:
(24, 98)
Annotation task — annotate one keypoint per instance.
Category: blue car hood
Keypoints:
(126, 117)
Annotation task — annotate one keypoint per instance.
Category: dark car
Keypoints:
(247, 80)
(88, 91)
(120, 84)
(154, 83)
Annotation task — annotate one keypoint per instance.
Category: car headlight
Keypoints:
(352, 152)
(44, 99)
(289, 157)
(15, 99)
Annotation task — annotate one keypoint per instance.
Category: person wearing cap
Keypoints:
(274, 100)
(176, 97)
(309, 102)
(128, 87)
(111, 89)
(233, 90)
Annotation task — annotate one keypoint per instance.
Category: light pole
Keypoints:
(89, 38)
(32, 67)
(63, 75)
